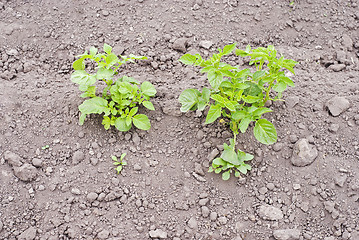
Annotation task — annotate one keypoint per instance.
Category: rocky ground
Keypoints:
(57, 180)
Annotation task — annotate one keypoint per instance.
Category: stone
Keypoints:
(26, 172)
(78, 157)
(136, 139)
(303, 153)
(13, 159)
(158, 233)
(205, 211)
(206, 44)
(223, 220)
(76, 191)
(213, 154)
(286, 234)
(1, 226)
(180, 44)
(104, 234)
(268, 212)
(91, 197)
(28, 234)
(337, 67)
(340, 180)
(37, 162)
(192, 223)
(337, 105)
(292, 101)
(198, 169)
(347, 42)
(213, 216)
(277, 147)
(203, 202)
(329, 206)
(237, 238)
(137, 167)
(333, 128)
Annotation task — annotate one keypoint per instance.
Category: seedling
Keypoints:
(119, 163)
(120, 97)
(45, 147)
(239, 96)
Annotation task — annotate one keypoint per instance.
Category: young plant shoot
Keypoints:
(240, 96)
(121, 96)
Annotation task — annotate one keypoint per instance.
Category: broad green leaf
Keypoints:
(148, 105)
(219, 162)
(264, 131)
(261, 111)
(148, 89)
(230, 106)
(128, 120)
(215, 78)
(218, 98)
(79, 64)
(133, 111)
(251, 99)
(280, 86)
(129, 79)
(206, 94)
(243, 169)
(241, 53)
(229, 155)
(201, 104)
(93, 51)
(226, 175)
(104, 73)
(237, 174)
(241, 86)
(238, 115)
(120, 124)
(94, 105)
(141, 121)
(125, 87)
(188, 99)
(90, 92)
(253, 89)
(82, 118)
(111, 60)
(188, 59)
(257, 75)
(213, 113)
(218, 170)
(107, 48)
(243, 125)
(228, 49)
(242, 156)
(81, 77)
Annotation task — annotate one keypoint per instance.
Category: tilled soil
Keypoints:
(57, 180)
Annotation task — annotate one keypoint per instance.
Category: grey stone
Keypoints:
(198, 177)
(13, 159)
(205, 211)
(337, 105)
(203, 202)
(37, 162)
(337, 67)
(223, 220)
(180, 44)
(198, 169)
(104, 234)
(277, 147)
(347, 42)
(136, 139)
(213, 154)
(333, 128)
(137, 167)
(206, 44)
(303, 153)
(91, 197)
(78, 157)
(237, 238)
(292, 101)
(340, 180)
(158, 233)
(192, 223)
(213, 216)
(26, 172)
(28, 234)
(286, 234)
(329, 206)
(1, 226)
(268, 212)
(76, 191)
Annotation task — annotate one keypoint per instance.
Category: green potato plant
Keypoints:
(240, 96)
(121, 96)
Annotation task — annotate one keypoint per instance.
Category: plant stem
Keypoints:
(234, 140)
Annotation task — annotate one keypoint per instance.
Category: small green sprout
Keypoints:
(119, 163)
(45, 147)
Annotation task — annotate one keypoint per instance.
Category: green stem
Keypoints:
(234, 140)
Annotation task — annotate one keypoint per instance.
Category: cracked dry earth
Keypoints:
(306, 186)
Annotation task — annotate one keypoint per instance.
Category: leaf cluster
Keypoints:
(119, 163)
(240, 95)
(120, 97)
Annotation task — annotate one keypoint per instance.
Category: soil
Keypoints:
(57, 179)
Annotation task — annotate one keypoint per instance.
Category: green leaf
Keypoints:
(264, 131)
(104, 73)
(252, 90)
(93, 51)
(141, 121)
(243, 169)
(260, 111)
(133, 111)
(241, 53)
(120, 124)
(188, 99)
(107, 48)
(218, 170)
(122, 156)
(188, 59)
(251, 99)
(128, 120)
(228, 49)
(90, 92)
(280, 86)
(94, 105)
(257, 75)
(206, 94)
(218, 98)
(226, 175)
(129, 80)
(215, 78)
(148, 105)
(148, 89)
(243, 125)
(238, 115)
(213, 113)
(230, 106)
(81, 77)
(229, 155)
(106, 122)
(79, 64)
(219, 162)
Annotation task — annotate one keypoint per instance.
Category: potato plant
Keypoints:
(121, 96)
(240, 96)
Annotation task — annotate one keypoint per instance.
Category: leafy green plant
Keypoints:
(239, 96)
(121, 94)
(45, 147)
(119, 163)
